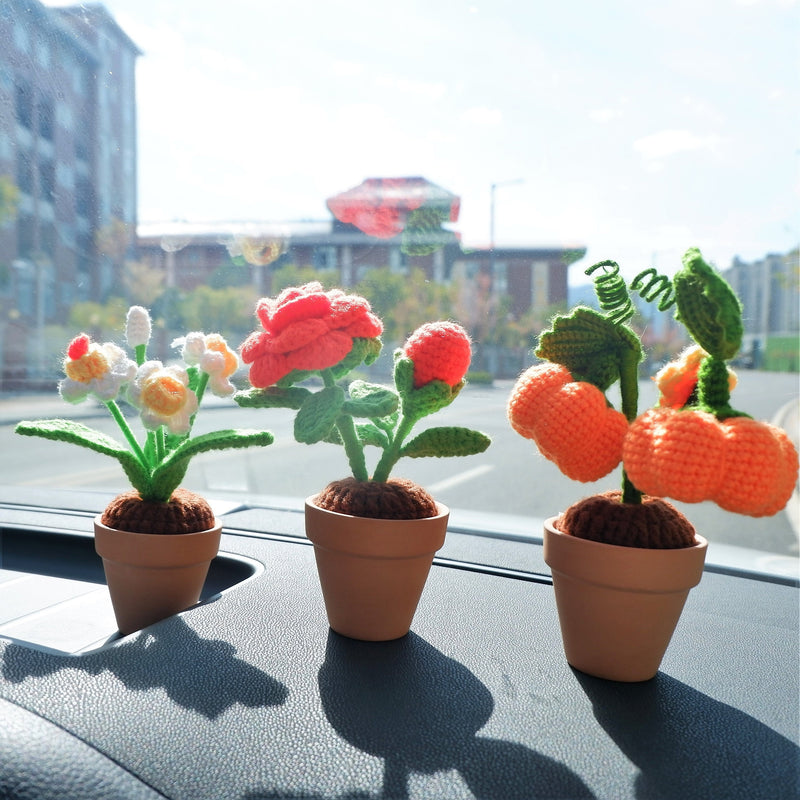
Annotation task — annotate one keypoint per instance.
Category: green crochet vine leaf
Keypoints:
(67, 430)
(318, 414)
(363, 351)
(403, 373)
(273, 397)
(371, 434)
(445, 442)
(168, 475)
(370, 400)
(590, 345)
(708, 307)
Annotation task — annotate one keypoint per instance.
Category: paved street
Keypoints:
(511, 478)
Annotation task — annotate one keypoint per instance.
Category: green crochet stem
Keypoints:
(347, 431)
(158, 468)
(328, 415)
(119, 418)
(629, 392)
(391, 454)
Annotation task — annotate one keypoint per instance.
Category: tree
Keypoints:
(143, 283)
(404, 302)
(9, 198)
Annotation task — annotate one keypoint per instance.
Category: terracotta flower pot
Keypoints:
(372, 571)
(153, 576)
(618, 606)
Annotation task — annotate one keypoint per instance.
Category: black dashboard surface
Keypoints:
(250, 695)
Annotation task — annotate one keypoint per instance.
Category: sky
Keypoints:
(634, 128)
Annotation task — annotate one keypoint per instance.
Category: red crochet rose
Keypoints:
(305, 328)
(440, 351)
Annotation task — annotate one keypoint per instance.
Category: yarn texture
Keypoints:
(397, 498)
(302, 336)
(306, 328)
(693, 447)
(184, 512)
(652, 523)
(166, 397)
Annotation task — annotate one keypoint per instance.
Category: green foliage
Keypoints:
(73, 432)
(228, 311)
(405, 301)
(292, 275)
(590, 345)
(318, 414)
(99, 319)
(480, 378)
(708, 307)
(370, 400)
(446, 442)
(9, 198)
(273, 397)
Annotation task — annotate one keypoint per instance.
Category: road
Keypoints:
(509, 478)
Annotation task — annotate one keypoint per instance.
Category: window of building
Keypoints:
(23, 99)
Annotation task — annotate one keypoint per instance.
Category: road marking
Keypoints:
(460, 477)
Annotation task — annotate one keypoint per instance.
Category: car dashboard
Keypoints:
(250, 695)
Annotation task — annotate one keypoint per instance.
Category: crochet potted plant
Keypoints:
(374, 536)
(623, 562)
(157, 540)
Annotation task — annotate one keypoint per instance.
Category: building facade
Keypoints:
(391, 223)
(770, 293)
(68, 144)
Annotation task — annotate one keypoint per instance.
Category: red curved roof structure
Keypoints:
(380, 206)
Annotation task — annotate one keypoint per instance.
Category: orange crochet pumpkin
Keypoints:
(744, 466)
(570, 422)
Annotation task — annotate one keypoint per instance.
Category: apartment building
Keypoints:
(769, 289)
(68, 143)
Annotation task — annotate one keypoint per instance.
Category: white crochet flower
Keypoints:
(101, 370)
(210, 352)
(193, 345)
(138, 326)
(163, 397)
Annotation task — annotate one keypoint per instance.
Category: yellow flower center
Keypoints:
(89, 366)
(164, 394)
(215, 342)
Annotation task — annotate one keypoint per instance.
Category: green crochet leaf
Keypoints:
(370, 400)
(273, 397)
(67, 430)
(364, 351)
(170, 473)
(430, 398)
(333, 437)
(369, 433)
(445, 442)
(318, 414)
(590, 346)
(403, 373)
(708, 307)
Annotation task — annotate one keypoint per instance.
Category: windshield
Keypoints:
(451, 160)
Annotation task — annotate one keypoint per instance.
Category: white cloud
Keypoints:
(424, 89)
(480, 115)
(669, 142)
(603, 115)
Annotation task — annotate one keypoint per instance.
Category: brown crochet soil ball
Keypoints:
(605, 518)
(184, 512)
(398, 498)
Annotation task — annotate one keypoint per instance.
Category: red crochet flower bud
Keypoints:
(78, 347)
(440, 351)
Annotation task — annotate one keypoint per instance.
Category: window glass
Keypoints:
(454, 159)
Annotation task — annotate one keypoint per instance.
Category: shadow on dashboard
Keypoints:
(687, 744)
(407, 703)
(199, 674)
